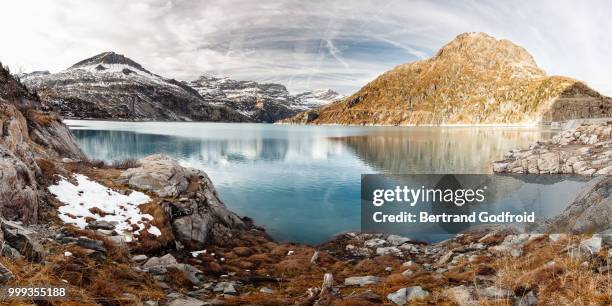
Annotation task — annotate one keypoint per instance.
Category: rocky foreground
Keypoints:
(203, 254)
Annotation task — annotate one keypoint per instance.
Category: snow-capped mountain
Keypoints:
(263, 102)
(112, 86)
(318, 98)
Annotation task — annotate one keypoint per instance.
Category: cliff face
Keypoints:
(30, 139)
(473, 79)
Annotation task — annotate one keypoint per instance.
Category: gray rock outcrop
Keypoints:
(29, 136)
(362, 280)
(22, 240)
(406, 295)
(196, 213)
(585, 150)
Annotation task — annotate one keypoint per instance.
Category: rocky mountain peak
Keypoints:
(103, 60)
(473, 79)
(482, 50)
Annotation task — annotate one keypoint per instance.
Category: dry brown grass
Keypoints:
(149, 243)
(46, 166)
(125, 164)
(39, 117)
(178, 280)
(89, 282)
(565, 282)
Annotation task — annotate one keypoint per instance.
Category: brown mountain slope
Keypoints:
(474, 79)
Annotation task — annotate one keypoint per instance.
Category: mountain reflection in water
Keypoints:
(302, 182)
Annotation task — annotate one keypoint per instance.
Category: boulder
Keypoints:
(591, 246)
(139, 258)
(20, 239)
(186, 301)
(557, 237)
(91, 244)
(266, 290)
(10, 252)
(198, 217)
(101, 225)
(362, 280)
(192, 273)
(5, 274)
(119, 241)
(389, 251)
(374, 243)
(405, 295)
(226, 288)
(166, 260)
(446, 258)
(159, 174)
(397, 240)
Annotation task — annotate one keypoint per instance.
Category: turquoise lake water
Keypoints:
(302, 183)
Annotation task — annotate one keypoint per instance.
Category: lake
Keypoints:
(302, 183)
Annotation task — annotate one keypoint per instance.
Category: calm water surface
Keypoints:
(303, 182)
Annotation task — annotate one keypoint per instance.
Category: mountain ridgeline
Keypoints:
(474, 79)
(112, 86)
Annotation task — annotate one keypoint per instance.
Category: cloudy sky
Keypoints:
(304, 44)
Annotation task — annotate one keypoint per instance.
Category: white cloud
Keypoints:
(303, 44)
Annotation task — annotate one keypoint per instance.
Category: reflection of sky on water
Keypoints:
(302, 182)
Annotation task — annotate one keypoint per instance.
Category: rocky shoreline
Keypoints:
(585, 150)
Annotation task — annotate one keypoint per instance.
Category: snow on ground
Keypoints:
(87, 196)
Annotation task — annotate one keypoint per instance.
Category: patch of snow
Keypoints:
(154, 230)
(118, 209)
(67, 254)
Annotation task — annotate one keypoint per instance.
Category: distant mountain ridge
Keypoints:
(263, 102)
(113, 86)
(474, 79)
